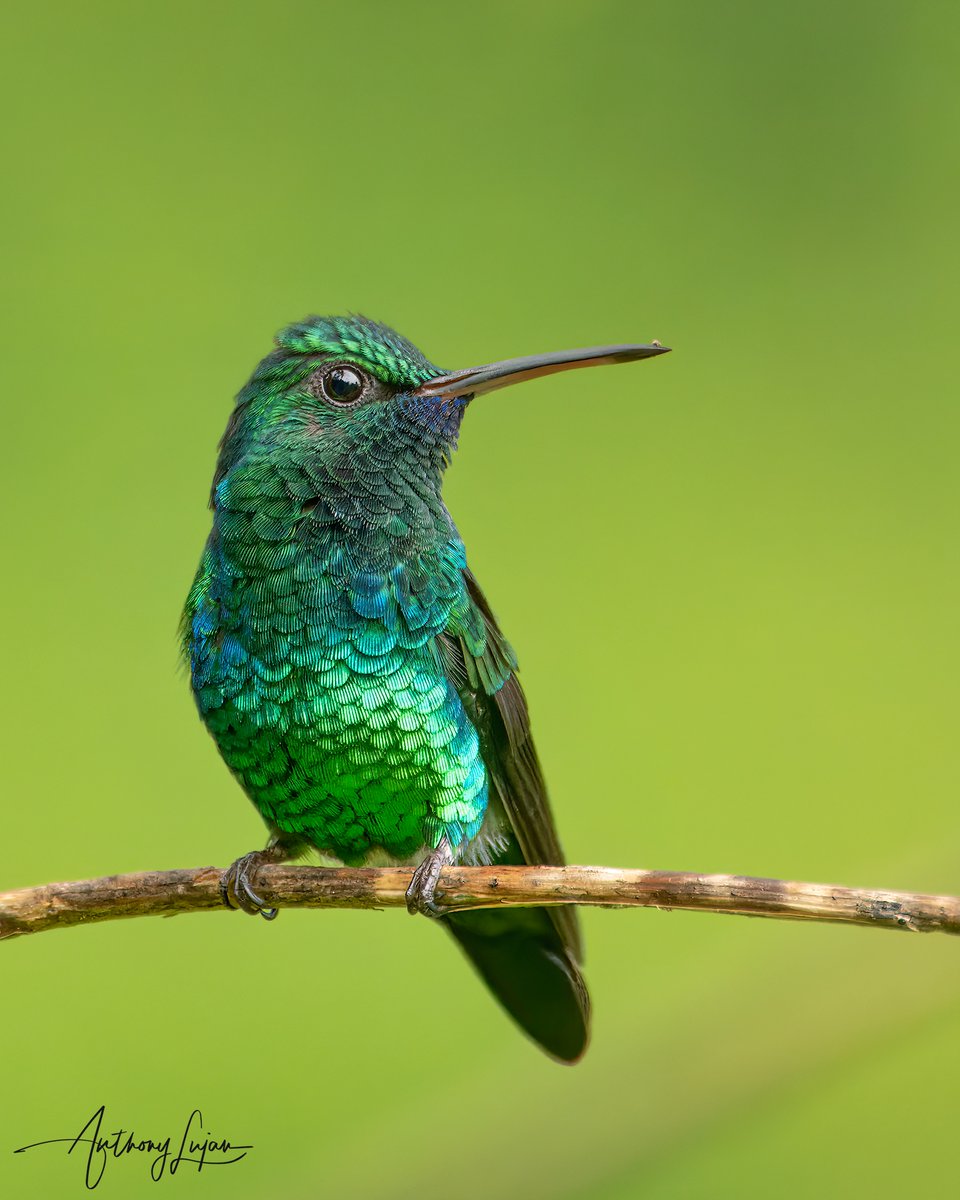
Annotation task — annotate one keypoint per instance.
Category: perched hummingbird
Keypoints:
(346, 661)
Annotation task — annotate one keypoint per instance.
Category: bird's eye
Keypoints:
(342, 385)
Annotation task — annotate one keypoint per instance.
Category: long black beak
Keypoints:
(475, 380)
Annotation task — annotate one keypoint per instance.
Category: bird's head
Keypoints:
(346, 395)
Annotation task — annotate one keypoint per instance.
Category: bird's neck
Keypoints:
(362, 516)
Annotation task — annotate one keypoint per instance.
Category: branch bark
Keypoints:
(166, 893)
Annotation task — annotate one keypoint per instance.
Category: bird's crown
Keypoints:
(387, 354)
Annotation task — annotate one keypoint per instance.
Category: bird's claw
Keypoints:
(236, 890)
(423, 886)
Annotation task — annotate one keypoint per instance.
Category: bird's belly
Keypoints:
(358, 756)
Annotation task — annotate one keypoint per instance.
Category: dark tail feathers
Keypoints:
(523, 960)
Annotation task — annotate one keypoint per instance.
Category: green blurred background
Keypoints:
(731, 574)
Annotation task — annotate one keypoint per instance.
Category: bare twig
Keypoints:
(165, 893)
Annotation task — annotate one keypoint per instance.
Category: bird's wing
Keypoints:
(483, 666)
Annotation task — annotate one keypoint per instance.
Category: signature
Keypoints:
(195, 1148)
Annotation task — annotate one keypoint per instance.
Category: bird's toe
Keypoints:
(237, 891)
(421, 894)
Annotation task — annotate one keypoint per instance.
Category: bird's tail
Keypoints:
(532, 970)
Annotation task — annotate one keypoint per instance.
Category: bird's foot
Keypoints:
(423, 885)
(236, 890)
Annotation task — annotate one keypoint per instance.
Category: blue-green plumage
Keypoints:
(344, 658)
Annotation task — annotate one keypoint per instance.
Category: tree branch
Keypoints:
(166, 893)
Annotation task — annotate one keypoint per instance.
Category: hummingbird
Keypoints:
(347, 663)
